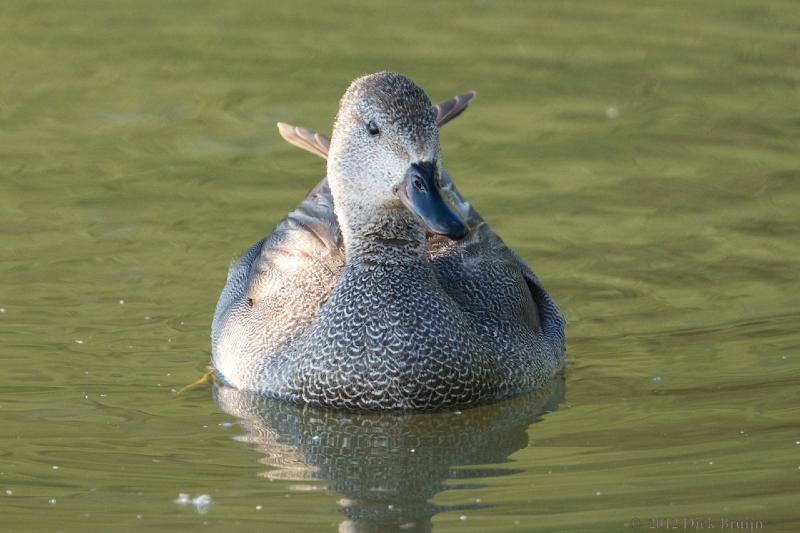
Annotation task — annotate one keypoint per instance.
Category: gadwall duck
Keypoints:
(385, 289)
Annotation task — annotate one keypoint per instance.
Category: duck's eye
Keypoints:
(373, 128)
(418, 184)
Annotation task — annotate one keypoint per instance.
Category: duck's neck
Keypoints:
(388, 236)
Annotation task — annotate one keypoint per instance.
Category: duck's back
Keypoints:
(275, 289)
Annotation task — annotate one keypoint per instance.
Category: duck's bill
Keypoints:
(421, 194)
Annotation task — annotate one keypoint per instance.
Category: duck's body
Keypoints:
(381, 315)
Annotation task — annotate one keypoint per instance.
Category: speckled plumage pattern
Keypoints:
(355, 307)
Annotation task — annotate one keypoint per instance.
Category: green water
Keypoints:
(642, 156)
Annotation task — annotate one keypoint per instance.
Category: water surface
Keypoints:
(642, 157)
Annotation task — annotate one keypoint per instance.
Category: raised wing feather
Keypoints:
(308, 140)
(450, 109)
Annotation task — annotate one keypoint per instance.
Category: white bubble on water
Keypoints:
(200, 503)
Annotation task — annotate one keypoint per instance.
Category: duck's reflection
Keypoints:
(387, 466)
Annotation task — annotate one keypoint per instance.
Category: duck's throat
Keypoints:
(387, 237)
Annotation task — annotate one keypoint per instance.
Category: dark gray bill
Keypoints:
(421, 194)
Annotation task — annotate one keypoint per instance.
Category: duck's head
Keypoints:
(384, 156)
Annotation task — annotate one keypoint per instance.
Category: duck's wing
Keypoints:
(483, 246)
(308, 242)
(308, 239)
(318, 144)
(452, 107)
(277, 287)
(308, 140)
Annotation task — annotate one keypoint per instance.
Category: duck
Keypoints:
(385, 289)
